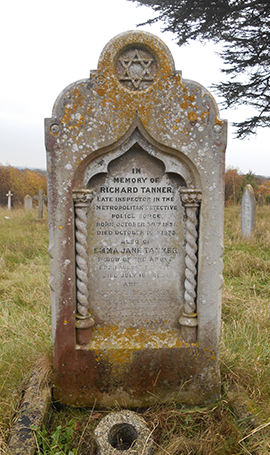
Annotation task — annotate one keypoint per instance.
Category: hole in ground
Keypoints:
(122, 436)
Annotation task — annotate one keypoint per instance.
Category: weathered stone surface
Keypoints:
(28, 202)
(248, 211)
(135, 189)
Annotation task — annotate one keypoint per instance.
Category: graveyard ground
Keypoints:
(238, 424)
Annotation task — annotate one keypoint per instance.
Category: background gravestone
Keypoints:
(40, 198)
(248, 211)
(135, 199)
(28, 202)
(260, 200)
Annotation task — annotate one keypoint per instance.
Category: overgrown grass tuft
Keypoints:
(245, 343)
(238, 424)
(25, 318)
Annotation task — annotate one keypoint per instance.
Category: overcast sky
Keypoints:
(46, 45)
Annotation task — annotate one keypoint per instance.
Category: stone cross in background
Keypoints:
(248, 211)
(9, 199)
(40, 198)
(28, 203)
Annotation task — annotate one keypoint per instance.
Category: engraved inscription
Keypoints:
(136, 244)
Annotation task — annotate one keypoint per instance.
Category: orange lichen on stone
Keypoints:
(192, 116)
(101, 91)
(184, 105)
(204, 115)
(218, 122)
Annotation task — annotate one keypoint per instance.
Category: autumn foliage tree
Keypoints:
(20, 182)
(235, 184)
(233, 181)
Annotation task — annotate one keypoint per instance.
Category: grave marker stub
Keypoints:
(40, 198)
(135, 199)
(28, 202)
(248, 211)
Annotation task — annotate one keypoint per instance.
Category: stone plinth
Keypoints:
(135, 199)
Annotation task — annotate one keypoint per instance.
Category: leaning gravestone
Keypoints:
(28, 202)
(248, 211)
(135, 199)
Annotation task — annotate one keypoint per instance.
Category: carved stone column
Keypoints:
(191, 199)
(84, 320)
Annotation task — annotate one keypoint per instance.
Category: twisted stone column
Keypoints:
(84, 321)
(191, 199)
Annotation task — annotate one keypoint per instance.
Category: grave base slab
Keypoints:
(138, 369)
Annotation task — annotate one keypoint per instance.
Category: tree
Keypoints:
(20, 182)
(243, 28)
(249, 179)
(233, 181)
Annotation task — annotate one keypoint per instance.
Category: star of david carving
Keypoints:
(136, 68)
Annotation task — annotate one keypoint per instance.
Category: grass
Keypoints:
(25, 319)
(238, 424)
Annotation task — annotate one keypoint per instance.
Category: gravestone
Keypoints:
(248, 211)
(260, 200)
(28, 203)
(9, 195)
(40, 198)
(135, 161)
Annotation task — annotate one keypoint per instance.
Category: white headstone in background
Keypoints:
(248, 211)
(28, 203)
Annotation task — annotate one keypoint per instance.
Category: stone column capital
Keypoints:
(82, 196)
(191, 197)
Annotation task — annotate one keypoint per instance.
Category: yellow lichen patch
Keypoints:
(76, 100)
(192, 116)
(190, 98)
(107, 338)
(174, 127)
(184, 105)
(188, 101)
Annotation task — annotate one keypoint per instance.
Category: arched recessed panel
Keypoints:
(136, 254)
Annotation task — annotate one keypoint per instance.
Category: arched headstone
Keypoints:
(28, 202)
(135, 200)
